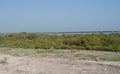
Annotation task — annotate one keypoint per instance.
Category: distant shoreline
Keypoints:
(79, 32)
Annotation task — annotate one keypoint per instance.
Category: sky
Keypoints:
(59, 15)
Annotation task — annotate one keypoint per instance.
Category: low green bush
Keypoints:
(108, 42)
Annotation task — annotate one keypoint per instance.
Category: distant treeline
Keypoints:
(107, 42)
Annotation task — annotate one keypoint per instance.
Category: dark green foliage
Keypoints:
(108, 42)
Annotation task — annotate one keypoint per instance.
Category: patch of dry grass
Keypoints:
(70, 54)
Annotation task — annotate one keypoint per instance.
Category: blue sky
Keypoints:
(59, 15)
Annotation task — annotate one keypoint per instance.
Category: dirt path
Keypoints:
(30, 65)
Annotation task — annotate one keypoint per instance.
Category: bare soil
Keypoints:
(51, 65)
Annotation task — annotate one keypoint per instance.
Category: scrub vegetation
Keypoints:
(107, 42)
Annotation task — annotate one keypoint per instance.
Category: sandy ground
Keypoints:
(30, 65)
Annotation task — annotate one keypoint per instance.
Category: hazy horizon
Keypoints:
(59, 16)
